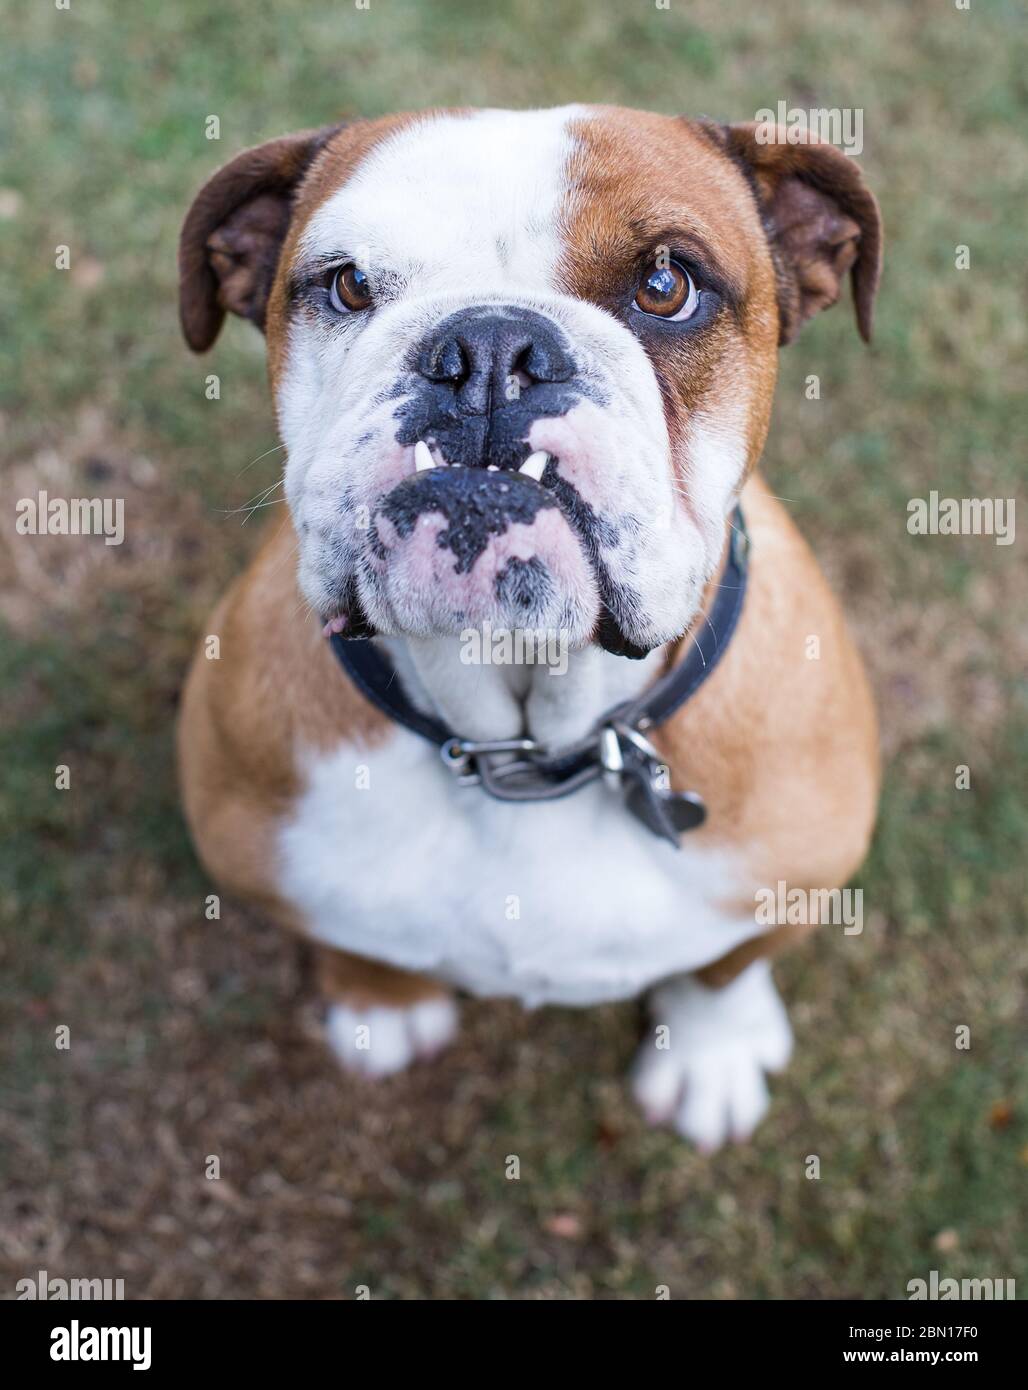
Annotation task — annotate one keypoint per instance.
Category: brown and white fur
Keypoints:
(301, 796)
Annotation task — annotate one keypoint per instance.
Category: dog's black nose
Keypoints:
(481, 378)
(495, 354)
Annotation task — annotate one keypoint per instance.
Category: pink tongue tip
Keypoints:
(335, 625)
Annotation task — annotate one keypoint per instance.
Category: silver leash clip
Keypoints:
(631, 765)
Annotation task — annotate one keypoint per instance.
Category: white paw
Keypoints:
(702, 1067)
(377, 1041)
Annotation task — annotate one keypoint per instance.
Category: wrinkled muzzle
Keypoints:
(477, 534)
(498, 465)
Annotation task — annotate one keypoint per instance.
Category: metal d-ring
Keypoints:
(637, 740)
(611, 758)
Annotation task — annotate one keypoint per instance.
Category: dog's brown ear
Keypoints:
(821, 219)
(233, 233)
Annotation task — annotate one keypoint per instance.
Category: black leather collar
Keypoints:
(616, 749)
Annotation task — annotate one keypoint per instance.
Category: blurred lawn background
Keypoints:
(192, 1038)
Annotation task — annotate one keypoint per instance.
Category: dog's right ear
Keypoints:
(233, 234)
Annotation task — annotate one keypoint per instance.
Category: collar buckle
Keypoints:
(459, 754)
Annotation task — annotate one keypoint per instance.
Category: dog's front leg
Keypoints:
(702, 1066)
(381, 1019)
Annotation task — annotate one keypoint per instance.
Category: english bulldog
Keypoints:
(522, 365)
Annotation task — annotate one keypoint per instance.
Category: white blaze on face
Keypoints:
(458, 204)
(449, 213)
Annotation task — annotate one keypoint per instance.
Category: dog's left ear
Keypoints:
(233, 233)
(821, 219)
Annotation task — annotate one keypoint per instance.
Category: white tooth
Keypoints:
(535, 465)
(422, 457)
(492, 468)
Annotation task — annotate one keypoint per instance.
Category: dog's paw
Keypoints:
(378, 1041)
(702, 1069)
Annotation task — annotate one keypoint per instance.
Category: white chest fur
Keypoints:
(570, 901)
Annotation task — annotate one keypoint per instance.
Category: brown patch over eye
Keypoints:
(664, 290)
(350, 289)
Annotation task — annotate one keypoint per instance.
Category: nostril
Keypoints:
(523, 364)
(445, 361)
(542, 361)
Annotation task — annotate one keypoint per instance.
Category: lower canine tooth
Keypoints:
(535, 464)
(422, 457)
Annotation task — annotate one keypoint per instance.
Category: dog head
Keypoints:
(523, 361)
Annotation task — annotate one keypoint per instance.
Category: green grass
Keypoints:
(192, 1037)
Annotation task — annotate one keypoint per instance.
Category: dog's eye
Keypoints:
(349, 290)
(667, 292)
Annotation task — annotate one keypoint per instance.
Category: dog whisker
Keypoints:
(266, 453)
(256, 503)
